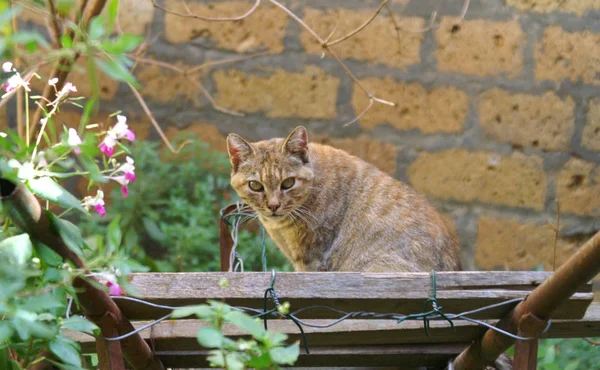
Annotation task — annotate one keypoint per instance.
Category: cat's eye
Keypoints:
(256, 186)
(288, 183)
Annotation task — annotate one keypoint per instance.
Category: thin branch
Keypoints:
(63, 65)
(432, 19)
(151, 116)
(189, 14)
(371, 101)
(55, 25)
(384, 3)
(556, 230)
(326, 47)
(592, 342)
(214, 103)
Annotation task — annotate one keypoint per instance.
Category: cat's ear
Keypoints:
(297, 143)
(238, 149)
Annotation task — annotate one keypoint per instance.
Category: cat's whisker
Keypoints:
(307, 212)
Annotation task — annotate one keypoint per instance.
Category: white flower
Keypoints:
(74, 138)
(53, 81)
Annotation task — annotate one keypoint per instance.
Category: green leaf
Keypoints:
(19, 247)
(234, 361)
(202, 311)
(210, 337)
(96, 29)
(114, 235)
(153, 230)
(113, 10)
(6, 331)
(260, 362)
(27, 328)
(247, 323)
(69, 233)
(123, 44)
(47, 255)
(573, 365)
(285, 355)
(116, 70)
(66, 41)
(79, 323)
(6, 16)
(48, 189)
(64, 6)
(65, 351)
(42, 302)
(550, 355)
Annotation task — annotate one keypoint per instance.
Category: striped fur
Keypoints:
(342, 214)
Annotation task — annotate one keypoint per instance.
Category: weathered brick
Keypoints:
(439, 110)
(164, 85)
(311, 94)
(480, 47)
(135, 16)
(378, 153)
(456, 174)
(578, 7)
(591, 131)
(509, 244)
(573, 56)
(80, 78)
(377, 43)
(206, 132)
(578, 188)
(545, 122)
(264, 29)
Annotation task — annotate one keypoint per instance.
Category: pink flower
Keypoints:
(13, 81)
(114, 289)
(67, 88)
(108, 144)
(121, 130)
(124, 175)
(96, 202)
(74, 140)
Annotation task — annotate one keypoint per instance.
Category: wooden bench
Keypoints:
(359, 342)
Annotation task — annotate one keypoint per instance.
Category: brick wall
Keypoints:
(497, 117)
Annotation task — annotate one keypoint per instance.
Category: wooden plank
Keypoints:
(403, 293)
(173, 335)
(409, 356)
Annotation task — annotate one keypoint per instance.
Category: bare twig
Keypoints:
(330, 43)
(151, 116)
(592, 342)
(326, 47)
(361, 113)
(432, 19)
(55, 25)
(63, 65)
(214, 103)
(556, 230)
(189, 14)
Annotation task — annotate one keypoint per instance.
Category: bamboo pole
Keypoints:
(531, 315)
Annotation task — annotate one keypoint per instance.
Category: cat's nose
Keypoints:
(274, 207)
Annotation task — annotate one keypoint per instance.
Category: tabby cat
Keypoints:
(330, 211)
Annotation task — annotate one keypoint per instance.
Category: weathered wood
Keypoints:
(408, 356)
(402, 293)
(173, 335)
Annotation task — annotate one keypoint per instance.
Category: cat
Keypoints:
(327, 210)
(330, 211)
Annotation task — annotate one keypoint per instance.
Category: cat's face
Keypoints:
(274, 177)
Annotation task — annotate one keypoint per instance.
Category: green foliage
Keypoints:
(567, 354)
(169, 221)
(266, 350)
